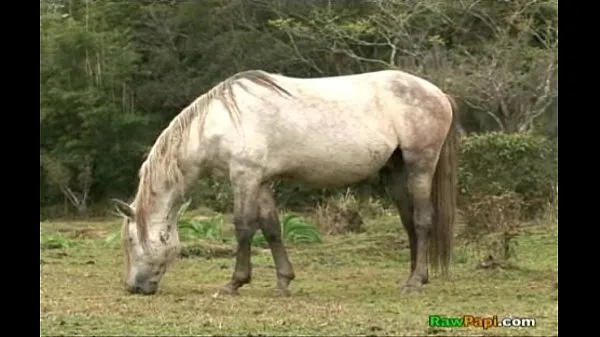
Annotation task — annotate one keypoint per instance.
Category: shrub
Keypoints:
(492, 223)
(498, 163)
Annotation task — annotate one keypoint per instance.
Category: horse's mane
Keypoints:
(162, 162)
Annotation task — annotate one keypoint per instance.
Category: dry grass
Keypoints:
(343, 213)
(346, 286)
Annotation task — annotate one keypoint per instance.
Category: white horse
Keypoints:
(330, 131)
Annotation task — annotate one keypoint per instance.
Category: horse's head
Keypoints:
(150, 244)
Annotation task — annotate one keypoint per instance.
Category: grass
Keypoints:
(345, 285)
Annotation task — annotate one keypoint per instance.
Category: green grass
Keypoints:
(345, 285)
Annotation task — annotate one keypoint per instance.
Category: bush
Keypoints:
(496, 218)
(499, 163)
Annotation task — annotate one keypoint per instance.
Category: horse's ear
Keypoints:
(123, 208)
(183, 208)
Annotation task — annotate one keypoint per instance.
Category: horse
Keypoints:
(257, 126)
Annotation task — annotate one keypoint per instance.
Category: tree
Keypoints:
(88, 121)
(498, 57)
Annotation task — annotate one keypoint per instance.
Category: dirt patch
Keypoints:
(206, 251)
(492, 263)
(83, 233)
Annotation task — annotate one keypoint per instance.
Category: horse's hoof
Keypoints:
(224, 291)
(411, 289)
(282, 292)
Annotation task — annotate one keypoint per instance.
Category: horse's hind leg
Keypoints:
(394, 178)
(269, 225)
(246, 187)
(420, 169)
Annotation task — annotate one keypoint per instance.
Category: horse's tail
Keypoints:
(444, 197)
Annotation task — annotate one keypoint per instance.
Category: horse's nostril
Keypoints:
(148, 290)
(134, 289)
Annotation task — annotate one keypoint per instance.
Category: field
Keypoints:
(346, 285)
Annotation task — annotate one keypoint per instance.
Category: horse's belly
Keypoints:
(331, 143)
(337, 164)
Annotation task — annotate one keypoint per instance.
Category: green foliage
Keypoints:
(190, 229)
(498, 163)
(295, 229)
(56, 241)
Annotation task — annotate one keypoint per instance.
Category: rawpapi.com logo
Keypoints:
(466, 321)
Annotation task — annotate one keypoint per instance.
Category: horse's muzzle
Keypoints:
(146, 288)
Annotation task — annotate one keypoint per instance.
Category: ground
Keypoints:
(347, 285)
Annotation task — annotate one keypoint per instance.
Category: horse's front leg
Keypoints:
(245, 219)
(271, 228)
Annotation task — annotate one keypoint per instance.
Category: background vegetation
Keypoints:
(113, 73)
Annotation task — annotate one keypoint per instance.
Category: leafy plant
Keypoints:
(294, 229)
(190, 229)
(56, 241)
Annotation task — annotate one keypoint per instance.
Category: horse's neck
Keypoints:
(191, 156)
(167, 203)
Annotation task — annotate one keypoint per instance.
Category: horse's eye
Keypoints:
(161, 269)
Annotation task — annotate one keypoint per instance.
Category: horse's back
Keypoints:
(329, 130)
(405, 108)
(384, 80)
